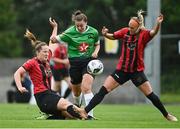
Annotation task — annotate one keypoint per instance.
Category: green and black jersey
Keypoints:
(80, 45)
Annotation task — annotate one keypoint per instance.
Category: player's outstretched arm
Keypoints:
(156, 28)
(17, 77)
(54, 25)
(106, 34)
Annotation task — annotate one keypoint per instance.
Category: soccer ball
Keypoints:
(95, 67)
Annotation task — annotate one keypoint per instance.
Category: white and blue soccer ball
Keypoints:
(95, 67)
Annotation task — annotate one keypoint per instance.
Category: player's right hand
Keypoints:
(23, 90)
(104, 31)
(52, 22)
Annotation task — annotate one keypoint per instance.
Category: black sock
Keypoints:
(67, 93)
(96, 99)
(72, 112)
(157, 103)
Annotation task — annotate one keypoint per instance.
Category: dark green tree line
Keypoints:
(10, 42)
(34, 14)
(17, 15)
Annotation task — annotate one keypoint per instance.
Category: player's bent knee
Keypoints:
(63, 104)
(86, 90)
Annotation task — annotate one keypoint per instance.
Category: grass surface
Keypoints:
(110, 116)
(170, 98)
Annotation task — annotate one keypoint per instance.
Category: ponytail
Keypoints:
(140, 18)
(37, 44)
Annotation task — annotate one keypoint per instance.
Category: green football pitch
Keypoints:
(110, 116)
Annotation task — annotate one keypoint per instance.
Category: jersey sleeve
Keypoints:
(63, 38)
(28, 65)
(146, 36)
(96, 37)
(120, 33)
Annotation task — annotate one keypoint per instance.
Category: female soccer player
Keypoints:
(83, 46)
(60, 69)
(39, 70)
(131, 64)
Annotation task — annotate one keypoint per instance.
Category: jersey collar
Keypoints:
(87, 28)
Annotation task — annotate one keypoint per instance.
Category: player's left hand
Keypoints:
(160, 18)
(94, 55)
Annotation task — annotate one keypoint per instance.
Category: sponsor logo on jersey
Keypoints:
(83, 47)
(90, 36)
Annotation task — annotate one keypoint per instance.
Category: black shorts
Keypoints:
(47, 102)
(60, 74)
(137, 77)
(78, 67)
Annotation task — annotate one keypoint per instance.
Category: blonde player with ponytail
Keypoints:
(134, 38)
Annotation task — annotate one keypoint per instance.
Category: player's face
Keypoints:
(43, 54)
(133, 27)
(81, 25)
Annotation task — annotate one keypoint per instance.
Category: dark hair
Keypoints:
(37, 44)
(79, 16)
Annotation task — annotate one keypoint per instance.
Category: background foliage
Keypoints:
(17, 15)
(10, 45)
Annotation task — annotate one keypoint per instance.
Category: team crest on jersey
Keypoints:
(131, 46)
(83, 47)
(48, 72)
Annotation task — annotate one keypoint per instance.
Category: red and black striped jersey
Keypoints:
(132, 50)
(61, 53)
(40, 74)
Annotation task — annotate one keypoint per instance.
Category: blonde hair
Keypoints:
(37, 44)
(79, 16)
(140, 18)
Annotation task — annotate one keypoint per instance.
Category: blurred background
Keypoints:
(163, 64)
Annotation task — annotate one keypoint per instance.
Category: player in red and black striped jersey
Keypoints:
(131, 63)
(39, 71)
(60, 69)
